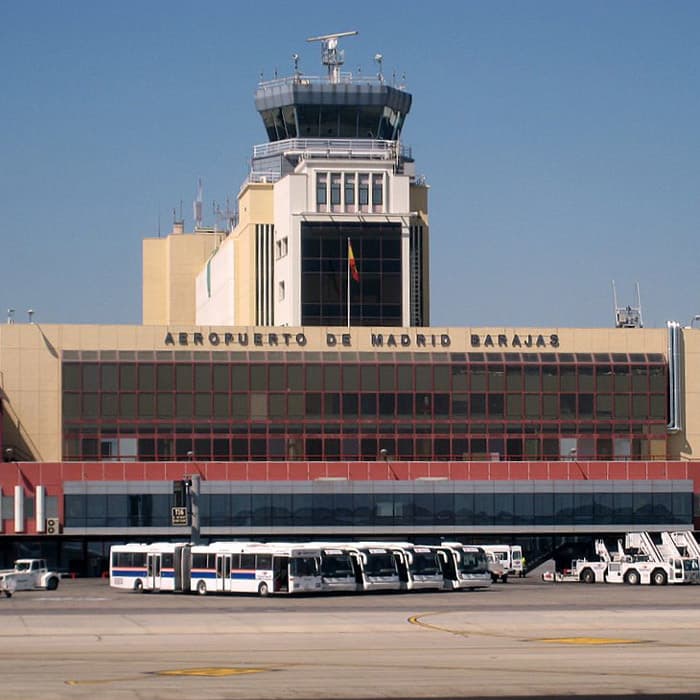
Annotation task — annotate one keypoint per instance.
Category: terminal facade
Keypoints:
(287, 363)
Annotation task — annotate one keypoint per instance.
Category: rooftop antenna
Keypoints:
(295, 58)
(378, 59)
(197, 206)
(10, 316)
(628, 316)
(331, 55)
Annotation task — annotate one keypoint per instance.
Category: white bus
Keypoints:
(254, 567)
(160, 566)
(464, 566)
(419, 566)
(339, 571)
(377, 566)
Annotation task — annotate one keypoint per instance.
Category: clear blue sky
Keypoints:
(561, 142)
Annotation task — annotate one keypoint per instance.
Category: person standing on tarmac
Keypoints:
(522, 567)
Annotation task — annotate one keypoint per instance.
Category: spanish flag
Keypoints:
(352, 265)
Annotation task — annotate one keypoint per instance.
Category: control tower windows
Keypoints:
(335, 192)
(349, 192)
(377, 191)
(344, 190)
(321, 191)
(363, 191)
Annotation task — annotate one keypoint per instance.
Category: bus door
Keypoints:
(359, 569)
(280, 574)
(153, 565)
(448, 565)
(402, 564)
(223, 573)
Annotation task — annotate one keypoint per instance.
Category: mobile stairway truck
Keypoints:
(624, 567)
(660, 549)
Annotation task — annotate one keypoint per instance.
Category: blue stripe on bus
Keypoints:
(243, 575)
(236, 574)
(164, 573)
(128, 572)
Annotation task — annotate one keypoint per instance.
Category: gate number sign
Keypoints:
(179, 516)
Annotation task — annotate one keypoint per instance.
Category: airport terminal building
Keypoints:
(286, 366)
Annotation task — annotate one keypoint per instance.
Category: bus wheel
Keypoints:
(202, 588)
(263, 590)
(632, 577)
(138, 586)
(658, 577)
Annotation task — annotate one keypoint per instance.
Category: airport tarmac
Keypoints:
(526, 637)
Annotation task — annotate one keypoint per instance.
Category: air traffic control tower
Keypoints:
(332, 221)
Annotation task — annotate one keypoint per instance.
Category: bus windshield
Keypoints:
(473, 562)
(303, 566)
(425, 564)
(380, 565)
(336, 566)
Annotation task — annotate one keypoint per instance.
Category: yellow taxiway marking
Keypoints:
(212, 672)
(416, 620)
(588, 640)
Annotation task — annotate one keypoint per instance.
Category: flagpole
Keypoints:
(347, 252)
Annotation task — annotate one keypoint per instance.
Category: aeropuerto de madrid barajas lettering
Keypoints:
(501, 340)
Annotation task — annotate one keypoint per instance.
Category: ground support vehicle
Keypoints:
(686, 543)
(508, 557)
(581, 570)
(622, 567)
(28, 575)
(7, 587)
(464, 566)
(660, 548)
(497, 568)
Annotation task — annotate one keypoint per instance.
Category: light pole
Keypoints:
(193, 489)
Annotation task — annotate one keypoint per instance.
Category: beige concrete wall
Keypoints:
(688, 442)
(419, 199)
(170, 267)
(255, 206)
(154, 295)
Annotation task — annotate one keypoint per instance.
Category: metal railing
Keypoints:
(346, 78)
(327, 148)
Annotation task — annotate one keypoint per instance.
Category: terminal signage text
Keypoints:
(377, 340)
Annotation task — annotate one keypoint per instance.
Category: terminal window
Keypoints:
(265, 405)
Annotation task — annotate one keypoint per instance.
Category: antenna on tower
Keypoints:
(628, 316)
(331, 55)
(379, 59)
(197, 206)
